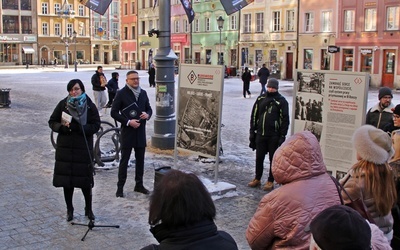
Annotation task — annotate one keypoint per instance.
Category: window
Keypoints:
(185, 26)
(290, 20)
(308, 58)
(45, 29)
(196, 25)
(150, 24)
(56, 8)
(10, 24)
(392, 18)
(233, 22)
(82, 29)
(370, 19)
(126, 9)
(125, 33)
(132, 7)
(26, 5)
(325, 60)
(347, 63)
(366, 60)
(26, 24)
(176, 26)
(349, 20)
(143, 27)
(247, 23)
(326, 21)
(115, 30)
(69, 29)
(133, 30)
(273, 56)
(45, 9)
(10, 5)
(57, 29)
(207, 24)
(309, 22)
(143, 4)
(81, 10)
(276, 21)
(259, 22)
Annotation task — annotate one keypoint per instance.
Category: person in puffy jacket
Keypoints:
(182, 213)
(307, 189)
(371, 178)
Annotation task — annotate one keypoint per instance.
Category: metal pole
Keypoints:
(220, 55)
(66, 44)
(75, 63)
(164, 122)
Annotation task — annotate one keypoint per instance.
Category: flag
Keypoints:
(187, 5)
(231, 6)
(155, 3)
(98, 6)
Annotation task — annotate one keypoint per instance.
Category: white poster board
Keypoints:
(332, 105)
(198, 120)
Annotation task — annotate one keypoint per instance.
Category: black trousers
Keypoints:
(265, 145)
(123, 165)
(87, 193)
(111, 97)
(246, 86)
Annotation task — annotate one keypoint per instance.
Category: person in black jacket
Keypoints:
(112, 87)
(131, 107)
(182, 213)
(76, 120)
(99, 83)
(152, 75)
(246, 78)
(269, 123)
(263, 74)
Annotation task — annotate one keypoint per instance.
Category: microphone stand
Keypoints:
(91, 224)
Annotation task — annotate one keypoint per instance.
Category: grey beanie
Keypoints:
(384, 91)
(273, 83)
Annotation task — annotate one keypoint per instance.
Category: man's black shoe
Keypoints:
(142, 190)
(120, 192)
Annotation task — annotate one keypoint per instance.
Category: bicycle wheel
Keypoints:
(107, 147)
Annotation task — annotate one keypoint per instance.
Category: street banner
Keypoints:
(187, 5)
(199, 109)
(98, 6)
(231, 6)
(332, 105)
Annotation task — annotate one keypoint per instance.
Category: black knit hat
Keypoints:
(396, 110)
(273, 83)
(384, 91)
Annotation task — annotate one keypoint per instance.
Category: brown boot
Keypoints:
(254, 183)
(268, 186)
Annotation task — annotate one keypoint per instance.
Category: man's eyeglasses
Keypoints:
(134, 79)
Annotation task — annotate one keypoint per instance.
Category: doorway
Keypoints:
(389, 64)
(106, 58)
(289, 66)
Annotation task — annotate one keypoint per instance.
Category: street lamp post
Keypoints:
(66, 12)
(75, 57)
(220, 22)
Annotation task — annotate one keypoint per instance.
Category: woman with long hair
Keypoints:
(371, 178)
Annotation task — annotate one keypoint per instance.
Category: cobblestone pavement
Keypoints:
(32, 211)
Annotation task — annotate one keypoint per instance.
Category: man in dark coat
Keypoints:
(152, 76)
(263, 74)
(246, 78)
(131, 107)
(381, 114)
(112, 87)
(269, 123)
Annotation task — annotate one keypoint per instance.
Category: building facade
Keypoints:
(129, 33)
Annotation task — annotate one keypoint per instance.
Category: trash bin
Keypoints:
(5, 98)
(159, 173)
(138, 64)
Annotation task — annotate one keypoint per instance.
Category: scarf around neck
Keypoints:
(77, 107)
(136, 91)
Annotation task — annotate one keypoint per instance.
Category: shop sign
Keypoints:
(333, 49)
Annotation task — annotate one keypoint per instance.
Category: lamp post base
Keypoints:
(164, 133)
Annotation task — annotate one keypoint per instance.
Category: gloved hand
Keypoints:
(281, 140)
(252, 139)
(64, 130)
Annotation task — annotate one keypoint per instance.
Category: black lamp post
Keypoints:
(66, 12)
(220, 22)
(75, 61)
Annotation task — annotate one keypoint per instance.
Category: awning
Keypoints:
(28, 50)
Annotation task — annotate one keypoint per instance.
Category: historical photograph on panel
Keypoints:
(308, 108)
(314, 128)
(311, 82)
(198, 120)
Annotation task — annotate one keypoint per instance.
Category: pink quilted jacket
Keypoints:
(306, 190)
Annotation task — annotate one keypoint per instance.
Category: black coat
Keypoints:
(112, 85)
(263, 74)
(246, 77)
(152, 75)
(203, 235)
(96, 83)
(73, 166)
(131, 137)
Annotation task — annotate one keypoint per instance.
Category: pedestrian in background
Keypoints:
(341, 227)
(269, 123)
(112, 88)
(371, 179)
(307, 189)
(99, 83)
(152, 75)
(131, 107)
(381, 114)
(76, 120)
(246, 78)
(182, 213)
(263, 74)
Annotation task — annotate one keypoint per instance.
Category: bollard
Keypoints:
(159, 173)
(5, 98)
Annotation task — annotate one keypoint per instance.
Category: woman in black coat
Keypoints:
(246, 78)
(75, 119)
(152, 76)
